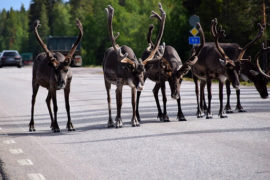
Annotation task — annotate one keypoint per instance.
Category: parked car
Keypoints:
(11, 57)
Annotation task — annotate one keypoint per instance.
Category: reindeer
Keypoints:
(265, 76)
(169, 68)
(246, 69)
(121, 67)
(214, 68)
(52, 71)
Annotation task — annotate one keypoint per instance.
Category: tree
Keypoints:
(61, 25)
(37, 11)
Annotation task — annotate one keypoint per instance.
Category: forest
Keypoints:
(239, 18)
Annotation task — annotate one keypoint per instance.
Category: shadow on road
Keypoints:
(211, 131)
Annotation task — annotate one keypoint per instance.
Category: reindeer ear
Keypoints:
(254, 73)
(127, 60)
(54, 62)
(222, 62)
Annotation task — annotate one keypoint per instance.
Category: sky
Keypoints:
(15, 4)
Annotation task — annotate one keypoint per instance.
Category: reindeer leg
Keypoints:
(66, 93)
(137, 104)
(209, 91)
(180, 115)
(118, 119)
(164, 98)
(155, 92)
(108, 88)
(221, 112)
(228, 90)
(202, 97)
(48, 102)
(134, 121)
(199, 111)
(238, 105)
(55, 109)
(35, 90)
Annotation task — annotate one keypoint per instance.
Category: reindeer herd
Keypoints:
(160, 63)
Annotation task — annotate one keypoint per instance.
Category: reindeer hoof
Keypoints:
(118, 126)
(181, 119)
(229, 111)
(166, 118)
(110, 123)
(241, 110)
(56, 130)
(138, 117)
(135, 122)
(209, 116)
(118, 122)
(32, 128)
(223, 116)
(200, 114)
(70, 127)
(160, 117)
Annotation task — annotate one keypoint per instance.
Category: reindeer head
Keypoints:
(260, 78)
(248, 70)
(127, 58)
(59, 63)
(231, 69)
(178, 75)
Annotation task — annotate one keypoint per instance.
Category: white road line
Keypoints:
(10, 141)
(0, 128)
(16, 151)
(25, 162)
(37, 176)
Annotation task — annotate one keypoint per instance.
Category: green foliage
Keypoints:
(13, 29)
(238, 17)
(61, 25)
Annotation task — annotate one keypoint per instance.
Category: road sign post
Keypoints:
(193, 40)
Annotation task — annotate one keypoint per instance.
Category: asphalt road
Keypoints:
(234, 148)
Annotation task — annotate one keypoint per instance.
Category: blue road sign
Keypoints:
(194, 40)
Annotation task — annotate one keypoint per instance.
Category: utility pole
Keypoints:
(264, 22)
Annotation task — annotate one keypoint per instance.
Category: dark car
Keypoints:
(11, 57)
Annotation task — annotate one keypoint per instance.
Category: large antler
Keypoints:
(217, 33)
(161, 30)
(110, 13)
(43, 45)
(263, 49)
(259, 35)
(194, 57)
(149, 40)
(198, 50)
(74, 46)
